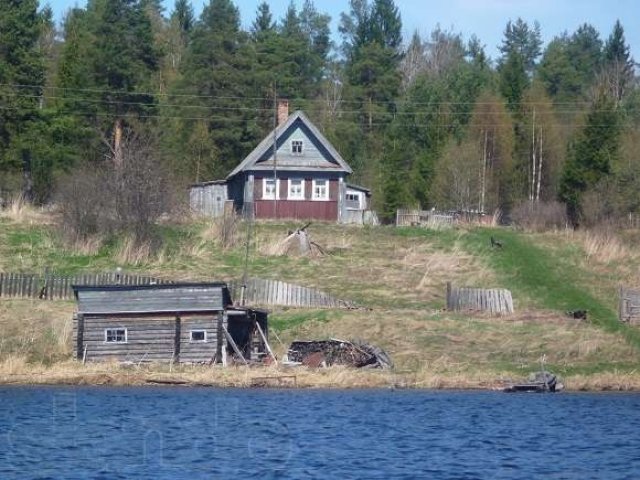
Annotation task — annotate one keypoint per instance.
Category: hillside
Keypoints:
(398, 275)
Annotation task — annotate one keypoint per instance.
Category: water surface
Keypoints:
(166, 433)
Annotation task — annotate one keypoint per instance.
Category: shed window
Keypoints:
(296, 189)
(297, 147)
(353, 200)
(198, 336)
(321, 190)
(115, 335)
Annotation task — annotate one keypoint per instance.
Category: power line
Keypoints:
(439, 111)
(237, 97)
(226, 118)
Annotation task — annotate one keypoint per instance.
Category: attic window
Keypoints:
(297, 147)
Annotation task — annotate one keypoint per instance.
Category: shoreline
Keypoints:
(76, 374)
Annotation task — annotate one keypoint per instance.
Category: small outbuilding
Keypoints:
(179, 323)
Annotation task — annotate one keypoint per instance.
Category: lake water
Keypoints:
(166, 433)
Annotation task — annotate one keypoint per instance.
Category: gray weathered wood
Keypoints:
(494, 301)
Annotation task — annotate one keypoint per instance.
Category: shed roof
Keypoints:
(144, 299)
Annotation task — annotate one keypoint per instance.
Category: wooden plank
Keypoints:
(266, 343)
(233, 345)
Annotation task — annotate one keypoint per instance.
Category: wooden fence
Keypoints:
(258, 291)
(58, 287)
(275, 292)
(496, 301)
(426, 218)
(629, 307)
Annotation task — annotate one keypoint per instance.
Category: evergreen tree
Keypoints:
(618, 64)
(569, 64)
(264, 21)
(520, 49)
(180, 25)
(22, 78)
(372, 37)
(216, 68)
(522, 41)
(592, 154)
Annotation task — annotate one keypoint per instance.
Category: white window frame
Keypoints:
(115, 329)
(357, 194)
(299, 143)
(268, 196)
(299, 196)
(197, 330)
(324, 197)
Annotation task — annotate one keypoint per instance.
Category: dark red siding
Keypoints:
(298, 209)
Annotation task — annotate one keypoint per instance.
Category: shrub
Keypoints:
(124, 198)
(540, 216)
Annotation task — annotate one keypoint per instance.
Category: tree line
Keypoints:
(424, 121)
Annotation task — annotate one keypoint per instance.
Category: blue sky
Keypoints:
(485, 18)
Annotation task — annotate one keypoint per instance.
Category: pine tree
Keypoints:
(22, 78)
(216, 68)
(372, 38)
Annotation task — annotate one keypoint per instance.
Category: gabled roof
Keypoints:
(267, 144)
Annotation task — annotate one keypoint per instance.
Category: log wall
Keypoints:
(156, 338)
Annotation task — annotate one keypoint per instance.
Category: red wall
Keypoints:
(298, 209)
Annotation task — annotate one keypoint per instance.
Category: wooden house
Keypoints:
(180, 323)
(294, 173)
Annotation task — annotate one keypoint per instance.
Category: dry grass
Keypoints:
(603, 246)
(439, 344)
(133, 252)
(87, 246)
(37, 330)
(403, 278)
(18, 371)
(22, 212)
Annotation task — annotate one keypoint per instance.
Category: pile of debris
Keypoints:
(324, 353)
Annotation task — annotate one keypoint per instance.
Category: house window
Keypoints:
(297, 147)
(296, 189)
(269, 188)
(115, 335)
(321, 189)
(198, 336)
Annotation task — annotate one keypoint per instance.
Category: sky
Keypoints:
(484, 18)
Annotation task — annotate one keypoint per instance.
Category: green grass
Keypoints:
(289, 320)
(546, 280)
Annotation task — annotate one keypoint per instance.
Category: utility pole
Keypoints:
(275, 151)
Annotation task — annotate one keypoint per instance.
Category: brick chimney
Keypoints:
(283, 110)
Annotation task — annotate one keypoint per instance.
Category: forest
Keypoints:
(124, 92)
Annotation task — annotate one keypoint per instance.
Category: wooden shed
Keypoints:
(180, 323)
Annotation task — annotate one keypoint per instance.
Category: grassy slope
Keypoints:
(399, 273)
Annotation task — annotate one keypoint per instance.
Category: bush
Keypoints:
(540, 216)
(126, 198)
